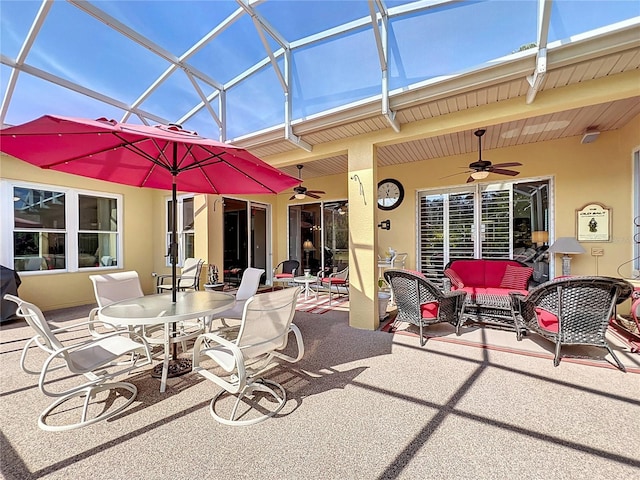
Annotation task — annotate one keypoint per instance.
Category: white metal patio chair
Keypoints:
(247, 289)
(120, 286)
(263, 334)
(98, 359)
(189, 278)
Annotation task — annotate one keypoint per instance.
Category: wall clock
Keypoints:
(390, 194)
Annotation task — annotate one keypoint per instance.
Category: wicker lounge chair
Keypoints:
(571, 311)
(421, 302)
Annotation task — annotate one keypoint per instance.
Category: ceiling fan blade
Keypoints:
(501, 171)
(510, 164)
(320, 192)
(456, 174)
(292, 197)
(470, 179)
(312, 195)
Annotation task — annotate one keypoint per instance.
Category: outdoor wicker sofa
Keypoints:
(487, 283)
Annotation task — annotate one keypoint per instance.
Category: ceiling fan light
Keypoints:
(300, 196)
(480, 175)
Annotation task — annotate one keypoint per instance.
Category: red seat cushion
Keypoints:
(284, 275)
(516, 277)
(334, 281)
(547, 320)
(429, 310)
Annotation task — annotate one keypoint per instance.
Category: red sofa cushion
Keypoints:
(482, 273)
(471, 272)
(429, 310)
(516, 277)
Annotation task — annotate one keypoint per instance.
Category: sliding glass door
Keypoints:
(319, 235)
(506, 220)
(246, 238)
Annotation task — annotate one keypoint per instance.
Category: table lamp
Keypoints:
(307, 246)
(566, 246)
(539, 237)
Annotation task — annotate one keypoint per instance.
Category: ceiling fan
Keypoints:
(301, 192)
(481, 169)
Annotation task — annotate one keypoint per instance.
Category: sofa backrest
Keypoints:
(482, 272)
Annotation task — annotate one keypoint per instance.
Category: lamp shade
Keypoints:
(307, 246)
(566, 245)
(540, 236)
(479, 175)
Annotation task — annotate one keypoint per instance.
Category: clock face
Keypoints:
(390, 194)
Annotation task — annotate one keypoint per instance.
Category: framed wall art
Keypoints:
(594, 223)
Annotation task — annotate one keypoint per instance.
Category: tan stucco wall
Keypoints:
(596, 172)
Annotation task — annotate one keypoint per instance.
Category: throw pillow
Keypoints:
(456, 281)
(516, 277)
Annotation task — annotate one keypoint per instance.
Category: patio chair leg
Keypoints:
(556, 359)
(613, 355)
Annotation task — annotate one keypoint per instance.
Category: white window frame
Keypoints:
(72, 227)
(181, 231)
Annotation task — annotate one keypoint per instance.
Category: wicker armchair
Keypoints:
(571, 311)
(422, 303)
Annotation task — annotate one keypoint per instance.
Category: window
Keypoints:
(508, 220)
(184, 228)
(319, 235)
(98, 231)
(59, 229)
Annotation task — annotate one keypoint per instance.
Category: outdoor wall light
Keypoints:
(385, 225)
(566, 246)
(590, 136)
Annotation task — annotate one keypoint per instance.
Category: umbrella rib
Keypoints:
(89, 154)
(247, 176)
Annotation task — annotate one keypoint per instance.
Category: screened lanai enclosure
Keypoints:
(257, 71)
(279, 77)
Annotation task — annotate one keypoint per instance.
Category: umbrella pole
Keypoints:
(177, 366)
(174, 255)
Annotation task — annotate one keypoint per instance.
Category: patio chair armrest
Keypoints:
(455, 293)
(296, 331)
(446, 284)
(202, 344)
(161, 278)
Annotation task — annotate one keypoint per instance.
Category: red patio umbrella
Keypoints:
(164, 157)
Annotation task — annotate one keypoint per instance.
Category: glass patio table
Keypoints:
(160, 310)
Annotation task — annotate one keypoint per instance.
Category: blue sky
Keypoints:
(76, 47)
